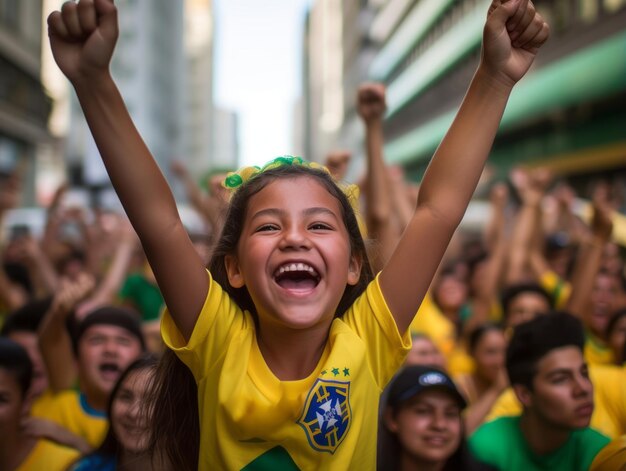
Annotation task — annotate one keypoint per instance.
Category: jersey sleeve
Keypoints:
(373, 322)
(219, 318)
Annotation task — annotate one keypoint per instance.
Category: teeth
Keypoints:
(297, 267)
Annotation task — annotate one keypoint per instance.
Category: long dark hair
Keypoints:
(390, 450)
(176, 422)
(111, 446)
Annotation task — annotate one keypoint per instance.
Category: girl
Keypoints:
(482, 387)
(288, 340)
(422, 427)
(126, 443)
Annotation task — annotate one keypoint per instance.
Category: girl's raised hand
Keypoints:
(82, 37)
(513, 34)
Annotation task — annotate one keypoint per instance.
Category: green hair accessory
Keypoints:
(234, 180)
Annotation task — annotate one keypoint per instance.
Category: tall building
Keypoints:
(148, 66)
(24, 104)
(198, 129)
(226, 143)
(323, 78)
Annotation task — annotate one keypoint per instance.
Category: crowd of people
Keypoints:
(314, 323)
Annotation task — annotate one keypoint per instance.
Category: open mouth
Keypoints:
(110, 370)
(436, 441)
(297, 277)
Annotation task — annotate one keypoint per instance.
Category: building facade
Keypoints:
(568, 113)
(24, 104)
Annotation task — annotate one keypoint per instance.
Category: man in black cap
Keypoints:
(549, 375)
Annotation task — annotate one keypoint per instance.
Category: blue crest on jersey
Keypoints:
(327, 414)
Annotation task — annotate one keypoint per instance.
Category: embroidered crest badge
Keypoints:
(327, 414)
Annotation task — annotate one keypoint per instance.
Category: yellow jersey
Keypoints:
(249, 419)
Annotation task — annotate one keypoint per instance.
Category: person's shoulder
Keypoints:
(63, 397)
(588, 443)
(501, 427)
(591, 437)
(481, 442)
(500, 424)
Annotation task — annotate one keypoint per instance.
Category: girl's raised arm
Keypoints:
(512, 36)
(83, 37)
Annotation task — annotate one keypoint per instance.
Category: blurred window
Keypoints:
(614, 5)
(589, 10)
(10, 13)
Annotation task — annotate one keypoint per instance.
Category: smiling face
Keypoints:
(104, 352)
(428, 427)
(294, 254)
(128, 414)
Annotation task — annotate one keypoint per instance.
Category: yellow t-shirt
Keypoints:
(596, 352)
(249, 419)
(48, 456)
(430, 321)
(609, 396)
(43, 404)
(70, 409)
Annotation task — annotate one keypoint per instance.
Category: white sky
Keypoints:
(258, 72)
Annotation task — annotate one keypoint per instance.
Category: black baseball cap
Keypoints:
(414, 379)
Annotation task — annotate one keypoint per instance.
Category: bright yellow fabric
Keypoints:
(495, 312)
(48, 456)
(556, 287)
(251, 418)
(596, 351)
(69, 409)
(42, 404)
(507, 405)
(430, 321)
(609, 395)
(459, 362)
(609, 415)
